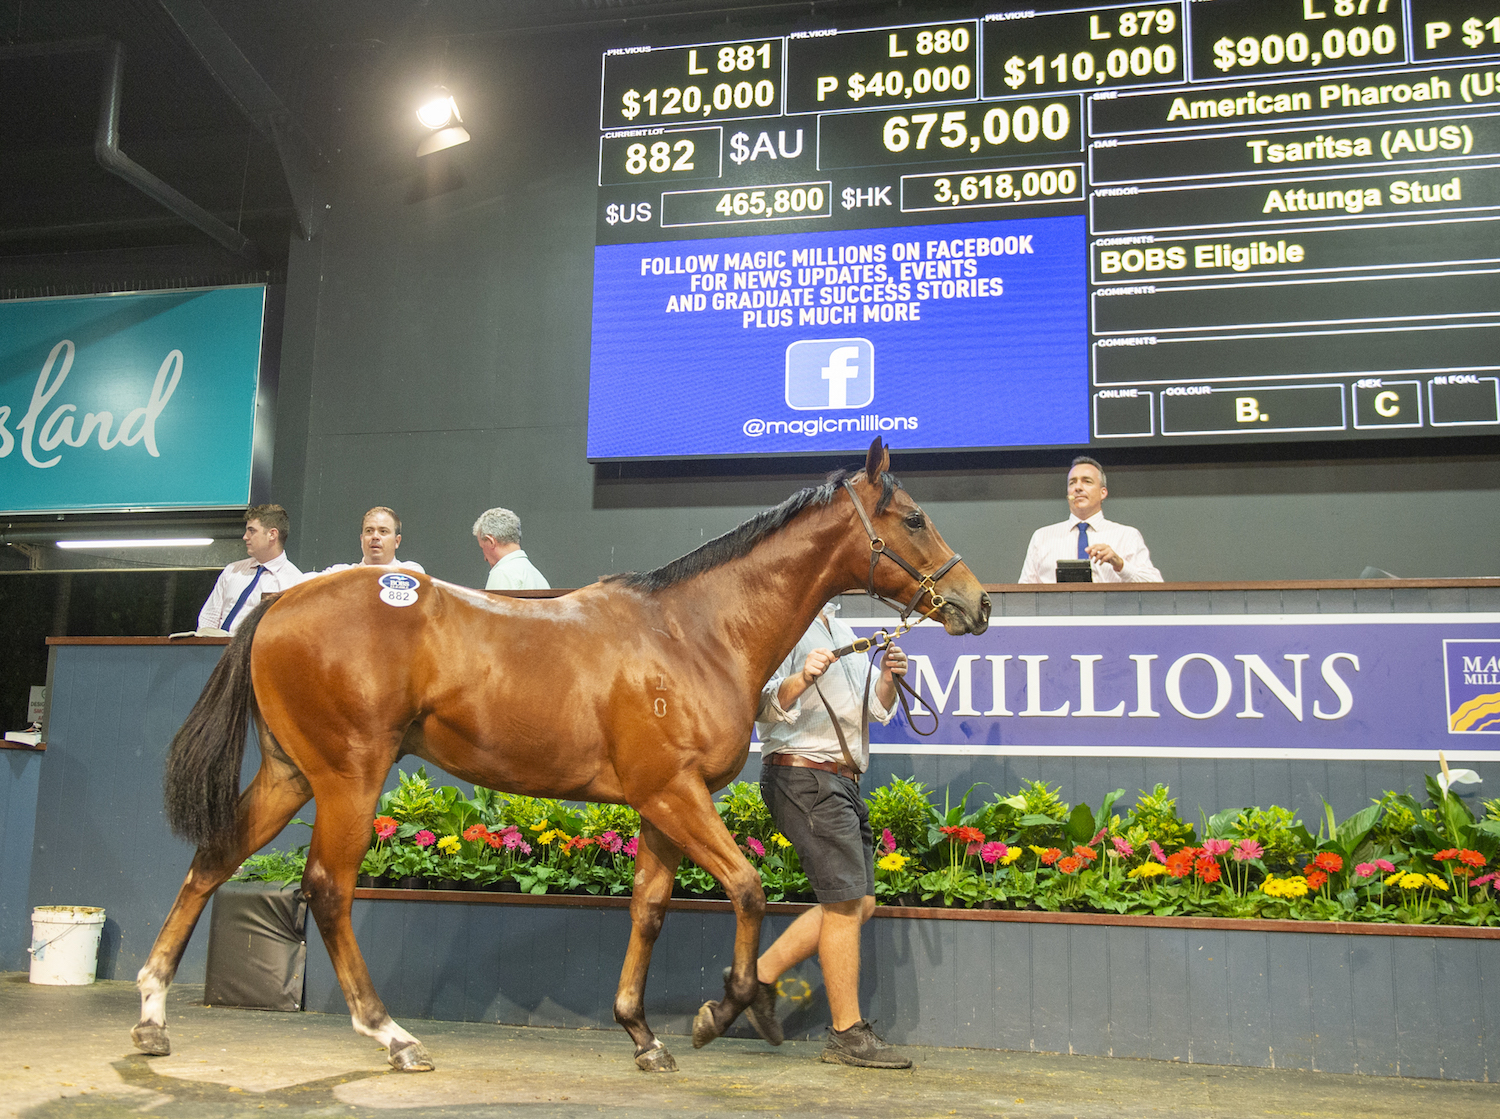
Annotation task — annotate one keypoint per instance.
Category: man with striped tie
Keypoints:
(1116, 553)
(267, 569)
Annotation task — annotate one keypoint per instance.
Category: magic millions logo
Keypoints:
(1472, 673)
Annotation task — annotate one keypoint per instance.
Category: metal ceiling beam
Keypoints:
(107, 139)
(226, 63)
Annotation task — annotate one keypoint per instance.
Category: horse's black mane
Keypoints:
(738, 541)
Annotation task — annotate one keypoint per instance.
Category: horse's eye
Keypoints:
(914, 521)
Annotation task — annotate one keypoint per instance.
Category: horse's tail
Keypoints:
(202, 783)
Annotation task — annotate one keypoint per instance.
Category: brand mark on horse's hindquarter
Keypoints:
(661, 708)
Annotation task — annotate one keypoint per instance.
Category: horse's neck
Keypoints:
(764, 601)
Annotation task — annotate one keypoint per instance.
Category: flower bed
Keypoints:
(1396, 861)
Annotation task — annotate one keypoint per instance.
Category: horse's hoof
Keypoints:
(410, 1057)
(655, 1059)
(705, 1029)
(151, 1038)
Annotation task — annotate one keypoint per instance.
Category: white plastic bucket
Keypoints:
(65, 944)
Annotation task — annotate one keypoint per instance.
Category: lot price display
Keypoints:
(711, 81)
(1278, 220)
(1104, 48)
(861, 69)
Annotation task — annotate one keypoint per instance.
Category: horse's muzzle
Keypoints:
(960, 618)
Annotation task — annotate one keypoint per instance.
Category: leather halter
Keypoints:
(926, 585)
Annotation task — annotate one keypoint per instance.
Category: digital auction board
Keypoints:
(1216, 221)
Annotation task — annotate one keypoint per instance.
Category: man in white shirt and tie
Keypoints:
(1116, 553)
(267, 569)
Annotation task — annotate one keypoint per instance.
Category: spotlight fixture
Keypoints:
(181, 542)
(440, 114)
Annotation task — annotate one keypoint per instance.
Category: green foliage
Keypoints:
(414, 801)
(621, 819)
(1279, 833)
(744, 812)
(1155, 817)
(1042, 814)
(1399, 816)
(905, 807)
(280, 867)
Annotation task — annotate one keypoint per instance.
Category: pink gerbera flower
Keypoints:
(425, 838)
(888, 839)
(1248, 849)
(630, 847)
(992, 853)
(759, 848)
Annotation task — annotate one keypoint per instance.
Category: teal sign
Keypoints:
(143, 401)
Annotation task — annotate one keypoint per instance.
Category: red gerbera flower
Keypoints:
(1315, 878)
(1444, 856)
(1329, 861)
(494, 839)
(1208, 869)
(1050, 856)
(385, 827)
(1070, 865)
(1471, 858)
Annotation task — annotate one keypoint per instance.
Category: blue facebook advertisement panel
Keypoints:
(143, 401)
(935, 337)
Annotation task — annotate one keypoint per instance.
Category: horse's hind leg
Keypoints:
(273, 797)
(655, 867)
(340, 837)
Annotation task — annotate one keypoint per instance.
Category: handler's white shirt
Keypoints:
(405, 565)
(1060, 541)
(806, 730)
(281, 573)
(513, 572)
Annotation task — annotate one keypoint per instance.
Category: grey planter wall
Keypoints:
(1382, 1005)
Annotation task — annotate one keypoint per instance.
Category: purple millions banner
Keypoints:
(1349, 686)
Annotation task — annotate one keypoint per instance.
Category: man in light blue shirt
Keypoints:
(498, 532)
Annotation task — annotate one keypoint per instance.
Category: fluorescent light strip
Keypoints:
(181, 542)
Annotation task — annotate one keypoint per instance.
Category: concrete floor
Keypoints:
(71, 1056)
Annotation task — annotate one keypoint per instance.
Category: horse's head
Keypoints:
(911, 563)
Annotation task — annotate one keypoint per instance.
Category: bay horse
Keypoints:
(640, 689)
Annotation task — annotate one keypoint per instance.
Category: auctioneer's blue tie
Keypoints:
(244, 595)
(1083, 540)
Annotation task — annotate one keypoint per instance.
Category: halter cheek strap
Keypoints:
(926, 585)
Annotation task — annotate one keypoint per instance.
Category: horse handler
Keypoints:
(810, 782)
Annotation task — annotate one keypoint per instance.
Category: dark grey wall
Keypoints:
(436, 359)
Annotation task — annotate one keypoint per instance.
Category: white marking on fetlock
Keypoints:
(385, 1033)
(153, 998)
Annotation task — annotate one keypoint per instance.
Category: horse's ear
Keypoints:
(878, 461)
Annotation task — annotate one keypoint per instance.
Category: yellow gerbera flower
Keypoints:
(1146, 870)
(781, 840)
(1436, 881)
(893, 861)
(448, 844)
(1011, 856)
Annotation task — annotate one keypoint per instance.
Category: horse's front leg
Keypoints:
(656, 862)
(685, 813)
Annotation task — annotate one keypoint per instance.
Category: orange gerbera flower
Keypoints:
(1070, 865)
(1329, 861)
(1208, 869)
(1180, 863)
(1315, 879)
(476, 831)
(1050, 856)
(1471, 858)
(1087, 854)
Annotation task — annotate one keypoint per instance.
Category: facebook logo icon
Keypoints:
(830, 373)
